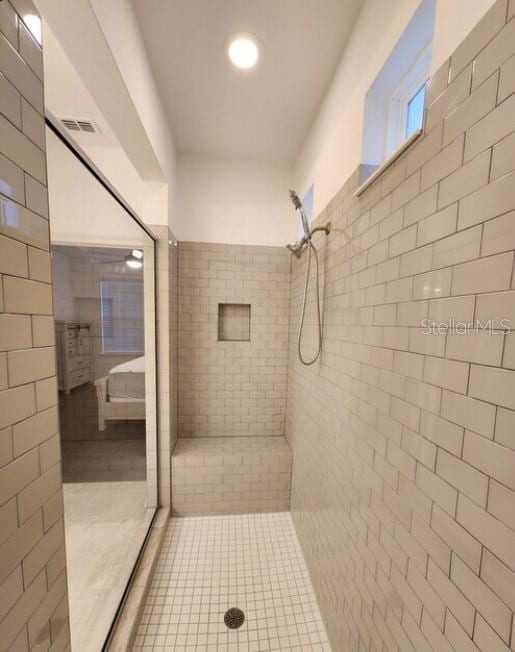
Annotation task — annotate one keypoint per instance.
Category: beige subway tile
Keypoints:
(20, 613)
(39, 265)
(20, 75)
(32, 124)
(20, 150)
(455, 93)
(444, 434)
(15, 332)
(457, 309)
(448, 374)
(28, 365)
(486, 275)
(481, 347)
(492, 200)
(8, 519)
(486, 638)
(424, 149)
(46, 393)
(499, 578)
(37, 196)
(427, 343)
(10, 100)
(437, 549)
(421, 206)
(11, 177)
(493, 385)
(416, 261)
(430, 599)
(433, 634)
(16, 476)
(475, 107)
(406, 191)
(438, 82)
(9, 23)
(465, 478)
(457, 538)
(437, 226)
(50, 453)
(27, 297)
(437, 489)
(4, 382)
(31, 51)
(433, 284)
(508, 358)
(495, 54)
(457, 248)
(505, 427)
(501, 502)
(478, 37)
(499, 235)
(43, 333)
(506, 79)
(403, 241)
(16, 404)
(488, 530)
(13, 257)
(468, 412)
(495, 308)
(453, 598)
(34, 496)
(465, 180)
(391, 224)
(490, 458)
(12, 588)
(35, 430)
(491, 129)
(447, 161)
(503, 157)
(6, 446)
(19, 223)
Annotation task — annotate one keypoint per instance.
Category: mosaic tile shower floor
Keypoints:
(209, 564)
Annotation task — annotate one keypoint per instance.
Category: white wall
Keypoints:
(121, 30)
(233, 202)
(332, 148)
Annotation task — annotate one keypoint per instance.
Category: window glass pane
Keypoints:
(415, 111)
(122, 316)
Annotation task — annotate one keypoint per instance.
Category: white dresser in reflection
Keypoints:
(73, 354)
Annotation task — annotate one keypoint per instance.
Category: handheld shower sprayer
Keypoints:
(297, 250)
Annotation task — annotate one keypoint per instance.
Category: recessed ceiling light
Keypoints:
(243, 50)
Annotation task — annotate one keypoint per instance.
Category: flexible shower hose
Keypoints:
(311, 247)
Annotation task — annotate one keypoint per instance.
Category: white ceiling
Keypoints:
(264, 113)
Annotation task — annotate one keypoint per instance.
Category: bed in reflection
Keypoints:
(121, 394)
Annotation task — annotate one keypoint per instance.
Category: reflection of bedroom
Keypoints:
(99, 315)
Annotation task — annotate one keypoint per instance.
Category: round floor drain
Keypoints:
(234, 618)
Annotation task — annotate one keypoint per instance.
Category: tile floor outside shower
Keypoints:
(209, 564)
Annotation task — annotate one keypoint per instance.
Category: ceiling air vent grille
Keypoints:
(80, 125)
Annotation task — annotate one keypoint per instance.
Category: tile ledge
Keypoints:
(391, 159)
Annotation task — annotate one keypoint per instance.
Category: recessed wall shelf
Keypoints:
(234, 322)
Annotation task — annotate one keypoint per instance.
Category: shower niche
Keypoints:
(234, 322)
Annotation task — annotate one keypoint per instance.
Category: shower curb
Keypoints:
(124, 629)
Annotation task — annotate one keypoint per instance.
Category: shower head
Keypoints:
(295, 199)
(298, 206)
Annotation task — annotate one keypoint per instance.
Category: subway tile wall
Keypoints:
(409, 530)
(231, 475)
(232, 388)
(33, 604)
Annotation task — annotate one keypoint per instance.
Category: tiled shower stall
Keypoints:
(401, 439)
